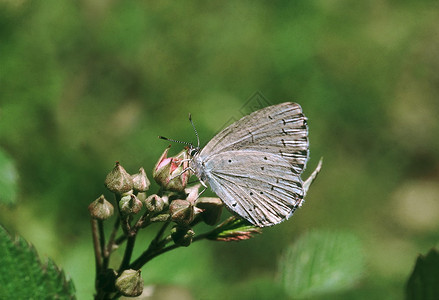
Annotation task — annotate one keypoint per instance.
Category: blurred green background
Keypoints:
(86, 83)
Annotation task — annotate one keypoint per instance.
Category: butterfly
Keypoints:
(254, 165)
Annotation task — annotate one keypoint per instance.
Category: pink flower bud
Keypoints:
(168, 171)
(140, 181)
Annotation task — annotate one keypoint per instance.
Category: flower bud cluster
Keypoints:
(172, 174)
(175, 202)
(130, 189)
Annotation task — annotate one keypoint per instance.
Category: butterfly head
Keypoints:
(192, 150)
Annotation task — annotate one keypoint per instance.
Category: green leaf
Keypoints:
(424, 281)
(233, 229)
(24, 276)
(321, 262)
(8, 179)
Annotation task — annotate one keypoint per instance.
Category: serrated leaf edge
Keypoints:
(20, 243)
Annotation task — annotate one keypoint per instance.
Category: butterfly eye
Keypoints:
(193, 151)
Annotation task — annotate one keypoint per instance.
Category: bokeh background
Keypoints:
(86, 83)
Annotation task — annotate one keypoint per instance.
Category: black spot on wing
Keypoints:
(253, 138)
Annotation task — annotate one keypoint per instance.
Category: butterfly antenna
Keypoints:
(175, 141)
(196, 133)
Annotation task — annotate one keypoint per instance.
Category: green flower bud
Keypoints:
(142, 196)
(130, 283)
(168, 171)
(182, 235)
(129, 204)
(154, 203)
(118, 180)
(212, 208)
(160, 218)
(181, 211)
(101, 209)
(140, 181)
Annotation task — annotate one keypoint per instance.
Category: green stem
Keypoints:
(111, 242)
(101, 237)
(143, 221)
(120, 240)
(160, 233)
(156, 246)
(96, 246)
(125, 219)
(202, 236)
(128, 253)
(149, 255)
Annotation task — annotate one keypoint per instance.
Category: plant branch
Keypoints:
(158, 247)
(202, 236)
(96, 246)
(160, 233)
(155, 248)
(128, 253)
(149, 255)
(111, 242)
(120, 239)
(101, 237)
(143, 221)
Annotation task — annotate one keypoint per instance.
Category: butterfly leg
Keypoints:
(205, 188)
(181, 173)
(184, 160)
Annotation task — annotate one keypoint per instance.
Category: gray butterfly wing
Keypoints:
(279, 129)
(263, 188)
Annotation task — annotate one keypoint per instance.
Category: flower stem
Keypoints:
(120, 240)
(155, 248)
(153, 252)
(111, 242)
(160, 233)
(96, 246)
(101, 237)
(128, 252)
